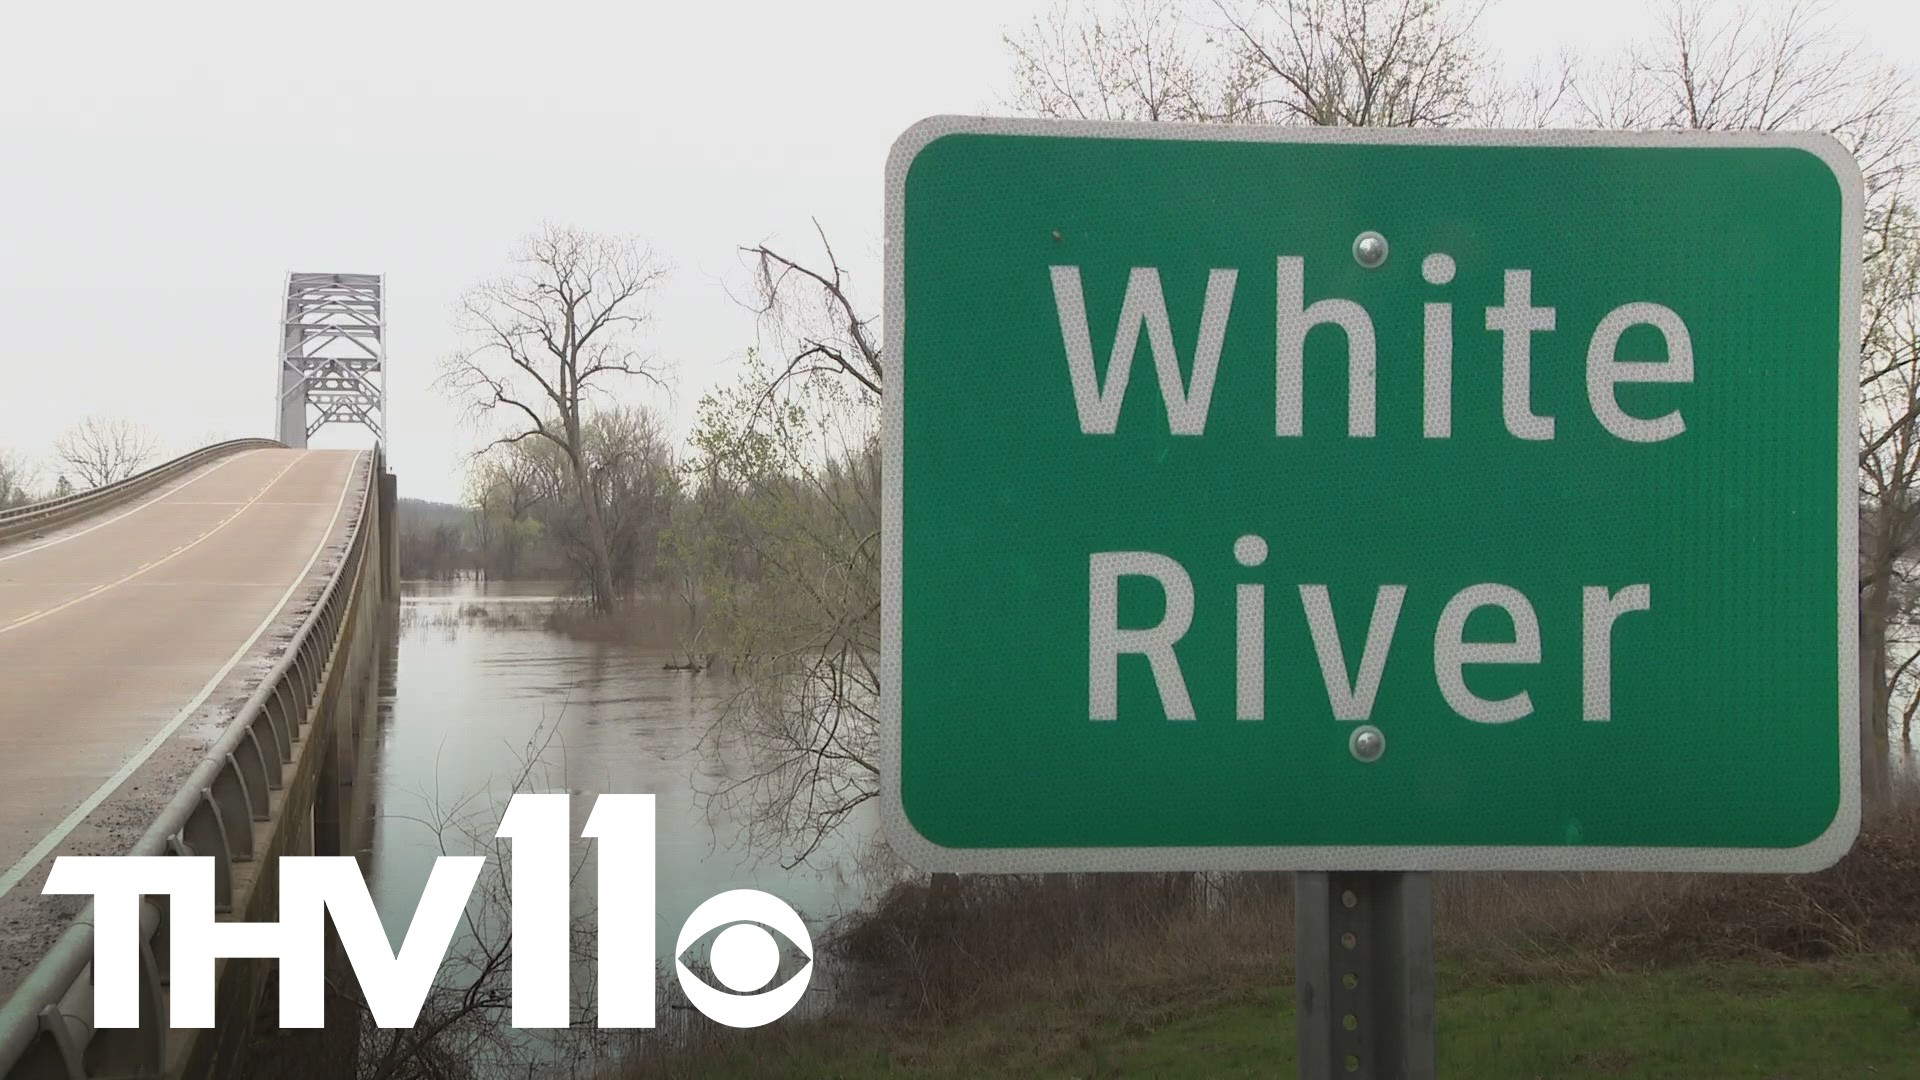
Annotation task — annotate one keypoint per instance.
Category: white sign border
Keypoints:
(927, 855)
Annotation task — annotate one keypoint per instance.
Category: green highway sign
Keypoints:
(1365, 499)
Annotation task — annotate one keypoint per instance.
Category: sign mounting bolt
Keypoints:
(1370, 249)
(1367, 743)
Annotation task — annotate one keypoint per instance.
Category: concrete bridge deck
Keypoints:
(127, 638)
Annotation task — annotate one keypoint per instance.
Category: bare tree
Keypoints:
(102, 451)
(1135, 60)
(1360, 63)
(463, 1029)
(1889, 491)
(1719, 67)
(546, 341)
(1538, 99)
(811, 314)
(15, 476)
(1380, 63)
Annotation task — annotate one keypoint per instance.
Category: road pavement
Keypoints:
(127, 639)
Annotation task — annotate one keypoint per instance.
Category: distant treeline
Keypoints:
(533, 514)
(443, 541)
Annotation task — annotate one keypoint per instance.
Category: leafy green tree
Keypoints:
(781, 529)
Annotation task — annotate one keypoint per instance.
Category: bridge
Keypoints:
(189, 665)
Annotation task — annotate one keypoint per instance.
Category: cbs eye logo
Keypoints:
(744, 957)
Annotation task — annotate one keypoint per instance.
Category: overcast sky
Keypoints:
(163, 166)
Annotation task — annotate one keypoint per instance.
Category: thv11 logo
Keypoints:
(744, 956)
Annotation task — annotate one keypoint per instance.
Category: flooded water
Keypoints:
(486, 702)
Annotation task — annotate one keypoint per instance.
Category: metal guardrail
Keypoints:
(46, 1026)
(48, 513)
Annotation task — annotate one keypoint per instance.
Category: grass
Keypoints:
(1542, 975)
(1731, 1020)
(1853, 1017)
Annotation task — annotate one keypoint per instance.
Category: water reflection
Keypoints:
(484, 698)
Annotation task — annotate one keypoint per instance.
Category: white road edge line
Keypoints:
(19, 870)
(163, 495)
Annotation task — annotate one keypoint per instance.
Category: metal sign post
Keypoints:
(1363, 973)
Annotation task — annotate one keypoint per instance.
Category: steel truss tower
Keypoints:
(333, 351)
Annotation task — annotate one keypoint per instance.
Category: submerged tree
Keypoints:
(504, 488)
(528, 491)
(544, 344)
